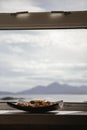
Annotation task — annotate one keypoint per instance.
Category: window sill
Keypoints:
(9, 117)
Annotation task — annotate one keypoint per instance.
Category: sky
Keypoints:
(42, 5)
(39, 57)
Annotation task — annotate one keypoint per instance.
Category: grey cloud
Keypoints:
(22, 32)
(18, 5)
(42, 5)
(62, 5)
(76, 82)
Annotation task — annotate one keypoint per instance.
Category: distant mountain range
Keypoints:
(54, 88)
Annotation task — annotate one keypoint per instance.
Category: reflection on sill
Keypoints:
(12, 112)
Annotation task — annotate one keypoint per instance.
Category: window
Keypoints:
(44, 57)
(48, 57)
(44, 62)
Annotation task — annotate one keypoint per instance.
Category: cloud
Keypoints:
(29, 58)
(41, 5)
(50, 5)
(18, 5)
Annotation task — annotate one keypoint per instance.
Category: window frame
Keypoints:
(46, 20)
(32, 121)
(43, 20)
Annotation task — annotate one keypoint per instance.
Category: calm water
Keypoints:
(65, 98)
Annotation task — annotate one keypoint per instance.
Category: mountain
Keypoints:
(53, 88)
(35, 90)
(56, 88)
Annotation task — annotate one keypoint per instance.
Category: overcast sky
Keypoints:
(30, 58)
(42, 5)
(35, 57)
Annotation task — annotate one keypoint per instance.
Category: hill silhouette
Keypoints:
(53, 88)
(56, 88)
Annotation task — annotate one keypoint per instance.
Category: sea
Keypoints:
(51, 97)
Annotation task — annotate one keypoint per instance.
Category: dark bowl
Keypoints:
(54, 106)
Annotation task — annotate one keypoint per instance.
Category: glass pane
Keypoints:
(42, 5)
(49, 61)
